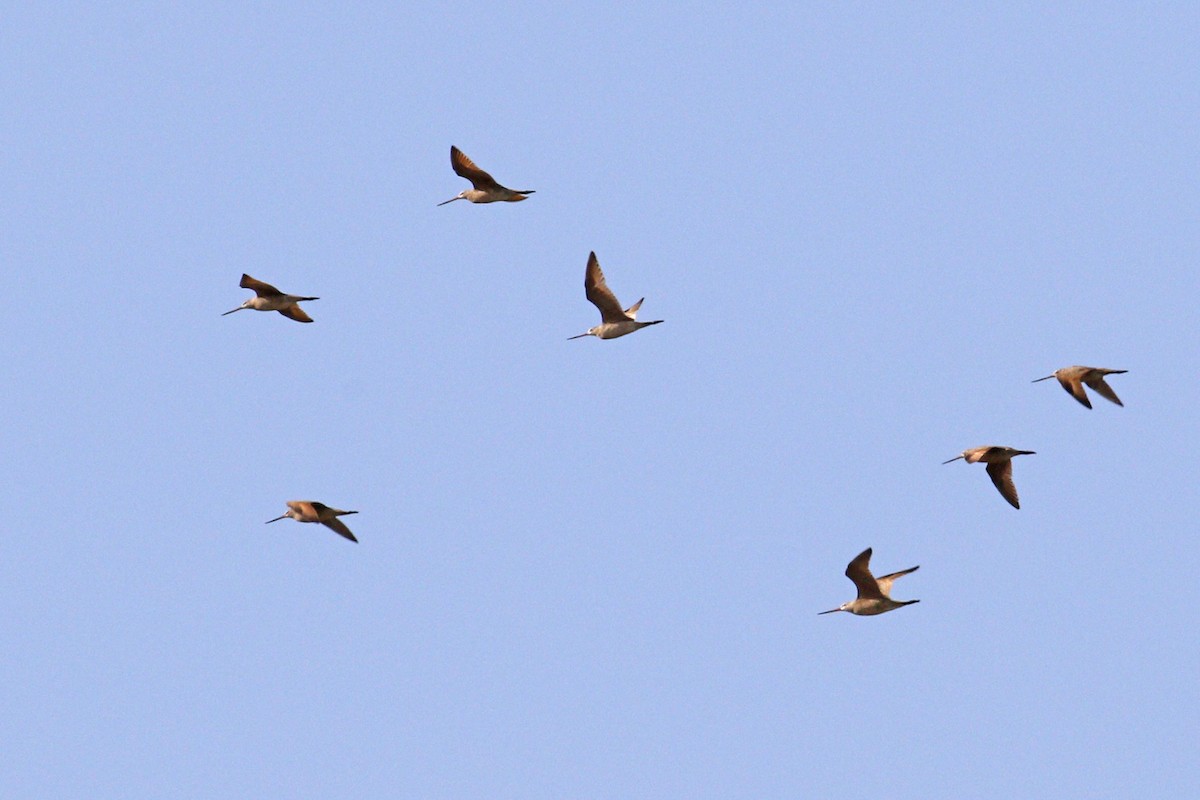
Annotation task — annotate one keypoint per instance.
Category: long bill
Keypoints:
(580, 336)
(830, 611)
(956, 458)
(1048, 377)
(227, 313)
(268, 522)
(451, 200)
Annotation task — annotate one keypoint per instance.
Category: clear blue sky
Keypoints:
(592, 569)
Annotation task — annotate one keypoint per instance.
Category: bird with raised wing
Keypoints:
(312, 511)
(484, 188)
(268, 298)
(1073, 378)
(999, 467)
(614, 320)
(873, 593)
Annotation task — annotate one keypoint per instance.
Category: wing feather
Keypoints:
(295, 312)
(859, 571)
(261, 289)
(1001, 473)
(600, 295)
(1097, 384)
(1075, 389)
(465, 168)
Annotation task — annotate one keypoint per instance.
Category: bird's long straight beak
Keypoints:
(227, 313)
(1039, 380)
(956, 458)
(268, 522)
(580, 336)
(830, 611)
(451, 200)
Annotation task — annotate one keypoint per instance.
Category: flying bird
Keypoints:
(268, 298)
(614, 321)
(1073, 379)
(312, 511)
(484, 187)
(999, 467)
(873, 593)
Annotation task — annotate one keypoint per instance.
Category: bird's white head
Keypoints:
(588, 332)
(842, 607)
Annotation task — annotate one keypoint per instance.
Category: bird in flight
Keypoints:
(484, 188)
(999, 467)
(1073, 379)
(312, 511)
(614, 321)
(873, 593)
(268, 298)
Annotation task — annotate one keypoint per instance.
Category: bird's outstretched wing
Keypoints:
(600, 295)
(465, 168)
(261, 289)
(859, 571)
(885, 583)
(1097, 384)
(1075, 389)
(1001, 472)
(295, 312)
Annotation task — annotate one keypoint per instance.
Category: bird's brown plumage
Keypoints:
(601, 296)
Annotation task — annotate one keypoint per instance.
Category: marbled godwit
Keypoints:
(999, 466)
(312, 511)
(614, 321)
(1073, 378)
(268, 298)
(485, 189)
(872, 592)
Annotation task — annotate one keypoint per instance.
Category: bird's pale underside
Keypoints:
(312, 511)
(874, 594)
(484, 188)
(268, 298)
(614, 320)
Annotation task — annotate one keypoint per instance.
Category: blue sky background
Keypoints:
(592, 569)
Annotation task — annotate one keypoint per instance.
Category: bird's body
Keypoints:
(1072, 379)
(268, 298)
(999, 467)
(614, 320)
(484, 188)
(873, 593)
(312, 511)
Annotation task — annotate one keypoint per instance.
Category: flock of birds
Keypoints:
(874, 594)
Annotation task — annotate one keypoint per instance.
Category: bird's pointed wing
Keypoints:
(295, 312)
(261, 289)
(631, 312)
(336, 525)
(885, 583)
(599, 294)
(859, 571)
(1001, 472)
(1097, 384)
(1075, 389)
(465, 168)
